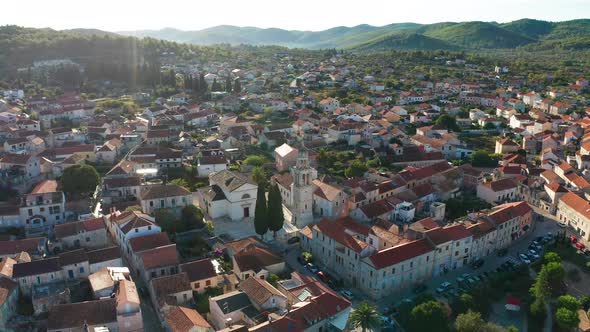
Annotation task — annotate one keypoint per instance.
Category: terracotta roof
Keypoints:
(17, 159)
(103, 255)
(161, 191)
(508, 211)
(199, 270)
(450, 233)
(576, 203)
(229, 180)
(256, 258)
(46, 186)
(500, 185)
(327, 191)
(259, 291)
(338, 233)
(29, 245)
(181, 319)
(131, 181)
(73, 257)
(6, 266)
(76, 227)
(171, 284)
(397, 254)
(36, 267)
(77, 315)
(508, 142)
(122, 168)
(376, 209)
(285, 179)
(7, 286)
(151, 241)
(556, 187)
(160, 256)
(241, 244)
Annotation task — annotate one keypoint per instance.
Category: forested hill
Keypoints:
(449, 35)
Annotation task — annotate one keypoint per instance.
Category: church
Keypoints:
(297, 189)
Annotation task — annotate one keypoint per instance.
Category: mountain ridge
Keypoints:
(457, 35)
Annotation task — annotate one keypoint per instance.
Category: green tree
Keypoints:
(469, 321)
(429, 316)
(259, 176)
(481, 158)
(567, 319)
(237, 86)
(180, 182)
(568, 302)
(448, 122)
(79, 179)
(276, 218)
(192, 216)
(273, 279)
(355, 168)
(463, 303)
(260, 213)
(364, 316)
(551, 257)
(254, 160)
(555, 274)
(228, 85)
(166, 219)
(489, 126)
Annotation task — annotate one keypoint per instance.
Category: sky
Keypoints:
(123, 15)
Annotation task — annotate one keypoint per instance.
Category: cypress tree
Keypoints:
(237, 86)
(228, 84)
(261, 213)
(275, 209)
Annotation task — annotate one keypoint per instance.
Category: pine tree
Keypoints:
(228, 85)
(276, 218)
(261, 213)
(237, 86)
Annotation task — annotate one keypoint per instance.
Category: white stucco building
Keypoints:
(230, 194)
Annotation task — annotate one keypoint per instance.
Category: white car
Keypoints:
(524, 259)
(562, 225)
(443, 287)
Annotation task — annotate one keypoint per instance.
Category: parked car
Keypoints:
(301, 260)
(562, 225)
(311, 268)
(580, 246)
(524, 258)
(323, 276)
(443, 287)
(533, 254)
(478, 263)
(573, 239)
(421, 288)
(293, 240)
(586, 252)
(347, 294)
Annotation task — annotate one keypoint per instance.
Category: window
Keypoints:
(87, 239)
(151, 203)
(184, 296)
(411, 264)
(245, 196)
(161, 203)
(30, 212)
(197, 285)
(456, 253)
(208, 283)
(136, 230)
(81, 269)
(173, 202)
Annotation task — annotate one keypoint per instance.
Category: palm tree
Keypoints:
(364, 316)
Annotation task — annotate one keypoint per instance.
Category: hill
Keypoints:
(404, 41)
(464, 35)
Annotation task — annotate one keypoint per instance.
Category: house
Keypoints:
(43, 207)
(257, 261)
(83, 316)
(201, 274)
(263, 295)
(574, 211)
(233, 307)
(170, 290)
(329, 200)
(24, 165)
(105, 257)
(183, 319)
(498, 191)
(211, 164)
(34, 247)
(329, 105)
(90, 234)
(74, 264)
(505, 146)
(127, 225)
(120, 188)
(285, 157)
(164, 196)
(37, 272)
(8, 299)
(230, 194)
(158, 262)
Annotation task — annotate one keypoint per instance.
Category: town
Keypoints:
(272, 189)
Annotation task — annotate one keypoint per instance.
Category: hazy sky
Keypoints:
(117, 15)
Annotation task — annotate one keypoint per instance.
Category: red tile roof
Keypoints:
(397, 254)
(160, 257)
(199, 270)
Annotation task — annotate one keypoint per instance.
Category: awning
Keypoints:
(340, 320)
